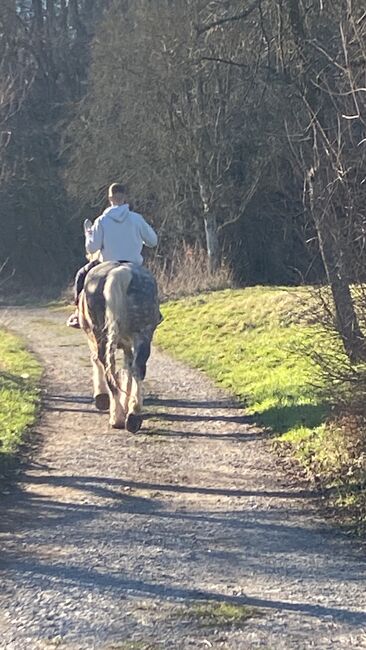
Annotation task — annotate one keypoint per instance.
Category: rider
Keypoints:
(118, 235)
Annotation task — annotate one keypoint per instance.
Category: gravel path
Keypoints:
(109, 538)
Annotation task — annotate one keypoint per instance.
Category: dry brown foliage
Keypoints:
(186, 273)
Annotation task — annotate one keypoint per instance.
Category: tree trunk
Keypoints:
(64, 20)
(51, 20)
(212, 243)
(347, 321)
(328, 232)
(38, 15)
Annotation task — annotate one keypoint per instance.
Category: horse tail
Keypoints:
(115, 294)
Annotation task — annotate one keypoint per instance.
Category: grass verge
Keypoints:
(20, 374)
(261, 344)
(252, 342)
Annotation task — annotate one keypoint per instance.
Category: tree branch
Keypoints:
(245, 200)
(221, 60)
(221, 21)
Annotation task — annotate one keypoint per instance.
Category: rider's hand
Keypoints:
(87, 225)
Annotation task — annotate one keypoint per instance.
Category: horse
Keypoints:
(119, 309)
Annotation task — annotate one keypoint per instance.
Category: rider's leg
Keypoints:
(73, 320)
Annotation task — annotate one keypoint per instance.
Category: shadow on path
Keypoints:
(71, 575)
(95, 484)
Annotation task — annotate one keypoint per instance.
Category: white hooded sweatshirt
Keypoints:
(119, 235)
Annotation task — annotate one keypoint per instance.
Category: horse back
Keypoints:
(124, 293)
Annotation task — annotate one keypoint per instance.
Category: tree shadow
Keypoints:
(70, 575)
(230, 435)
(293, 416)
(78, 399)
(179, 417)
(95, 485)
(31, 510)
(9, 378)
(68, 409)
(64, 404)
(205, 542)
(152, 400)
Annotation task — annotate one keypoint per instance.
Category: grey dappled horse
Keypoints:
(119, 309)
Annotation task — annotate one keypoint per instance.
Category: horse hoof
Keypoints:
(133, 422)
(102, 402)
(117, 425)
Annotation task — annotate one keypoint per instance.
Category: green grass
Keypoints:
(217, 615)
(259, 343)
(20, 374)
(253, 342)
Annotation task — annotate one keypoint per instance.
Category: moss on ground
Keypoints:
(217, 615)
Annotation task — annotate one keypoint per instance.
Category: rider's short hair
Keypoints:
(116, 188)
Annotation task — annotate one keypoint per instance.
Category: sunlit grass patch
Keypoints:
(262, 343)
(217, 614)
(253, 342)
(20, 374)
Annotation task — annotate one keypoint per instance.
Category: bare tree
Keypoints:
(208, 108)
(181, 123)
(323, 76)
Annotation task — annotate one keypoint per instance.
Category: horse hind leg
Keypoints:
(101, 395)
(141, 357)
(100, 388)
(126, 378)
(134, 416)
(135, 404)
(116, 410)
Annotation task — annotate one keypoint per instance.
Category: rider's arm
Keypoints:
(94, 237)
(148, 235)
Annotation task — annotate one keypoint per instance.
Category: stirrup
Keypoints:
(73, 321)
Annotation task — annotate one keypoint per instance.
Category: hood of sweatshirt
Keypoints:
(117, 212)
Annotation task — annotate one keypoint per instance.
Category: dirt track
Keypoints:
(109, 535)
